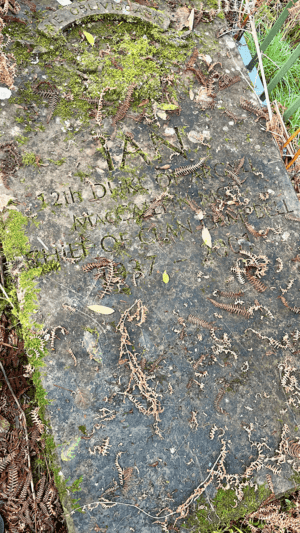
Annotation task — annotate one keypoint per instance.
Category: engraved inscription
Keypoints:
(70, 14)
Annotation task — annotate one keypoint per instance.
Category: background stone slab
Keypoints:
(77, 220)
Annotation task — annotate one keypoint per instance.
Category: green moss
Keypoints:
(58, 162)
(15, 245)
(93, 332)
(131, 44)
(29, 158)
(81, 174)
(14, 241)
(222, 512)
(21, 139)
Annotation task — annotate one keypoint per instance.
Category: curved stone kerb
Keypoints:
(78, 10)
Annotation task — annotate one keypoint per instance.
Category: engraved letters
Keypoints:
(76, 11)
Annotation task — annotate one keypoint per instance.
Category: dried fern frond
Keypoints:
(226, 81)
(289, 216)
(184, 171)
(231, 308)
(53, 336)
(106, 269)
(54, 99)
(128, 481)
(279, 264)
(10, 162)
(213, 431)
(150, 211)
(294, 449)
(234, 117)
(194, 207)
(258, 285)
(36, 420)
(260, 113)
(52, 95)
(7, 65)
(73, 356)
(120, 470)
(253, 231)
(13, 478)
(100, 105)
(229, 294)
(203, 80)
(199, 322)
(121, 113)
(239, 272)
(295, 309)
(217, 402)
(137, 374)
(191, 62)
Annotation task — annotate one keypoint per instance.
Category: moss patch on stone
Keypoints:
(124, 53)
(226, 512)
(22, 282)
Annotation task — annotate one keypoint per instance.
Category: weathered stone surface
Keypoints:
(227, 383)
(78, 10)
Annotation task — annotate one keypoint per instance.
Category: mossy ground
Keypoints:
(223, 511)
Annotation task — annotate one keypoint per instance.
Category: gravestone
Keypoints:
(194, 368)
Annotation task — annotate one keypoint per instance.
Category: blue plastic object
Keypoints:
(254, 76)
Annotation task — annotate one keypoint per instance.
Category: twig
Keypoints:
(259, 60)
(4, 292)
(291, 137)
(25, 431)
(9, 345)
(284, 128)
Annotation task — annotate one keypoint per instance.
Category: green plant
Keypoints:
(21, 139)
(276, 55)
(29, 158)
(57, 162)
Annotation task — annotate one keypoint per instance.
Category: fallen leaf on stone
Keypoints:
(206, 237)
(101, 309)
(164, 167)
(191, 20)
(192, 96)
(4, 199)
(89, 37)
(167, 107)
(165, 277)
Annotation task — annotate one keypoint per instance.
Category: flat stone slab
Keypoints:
(79, 10)
(199, 355)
